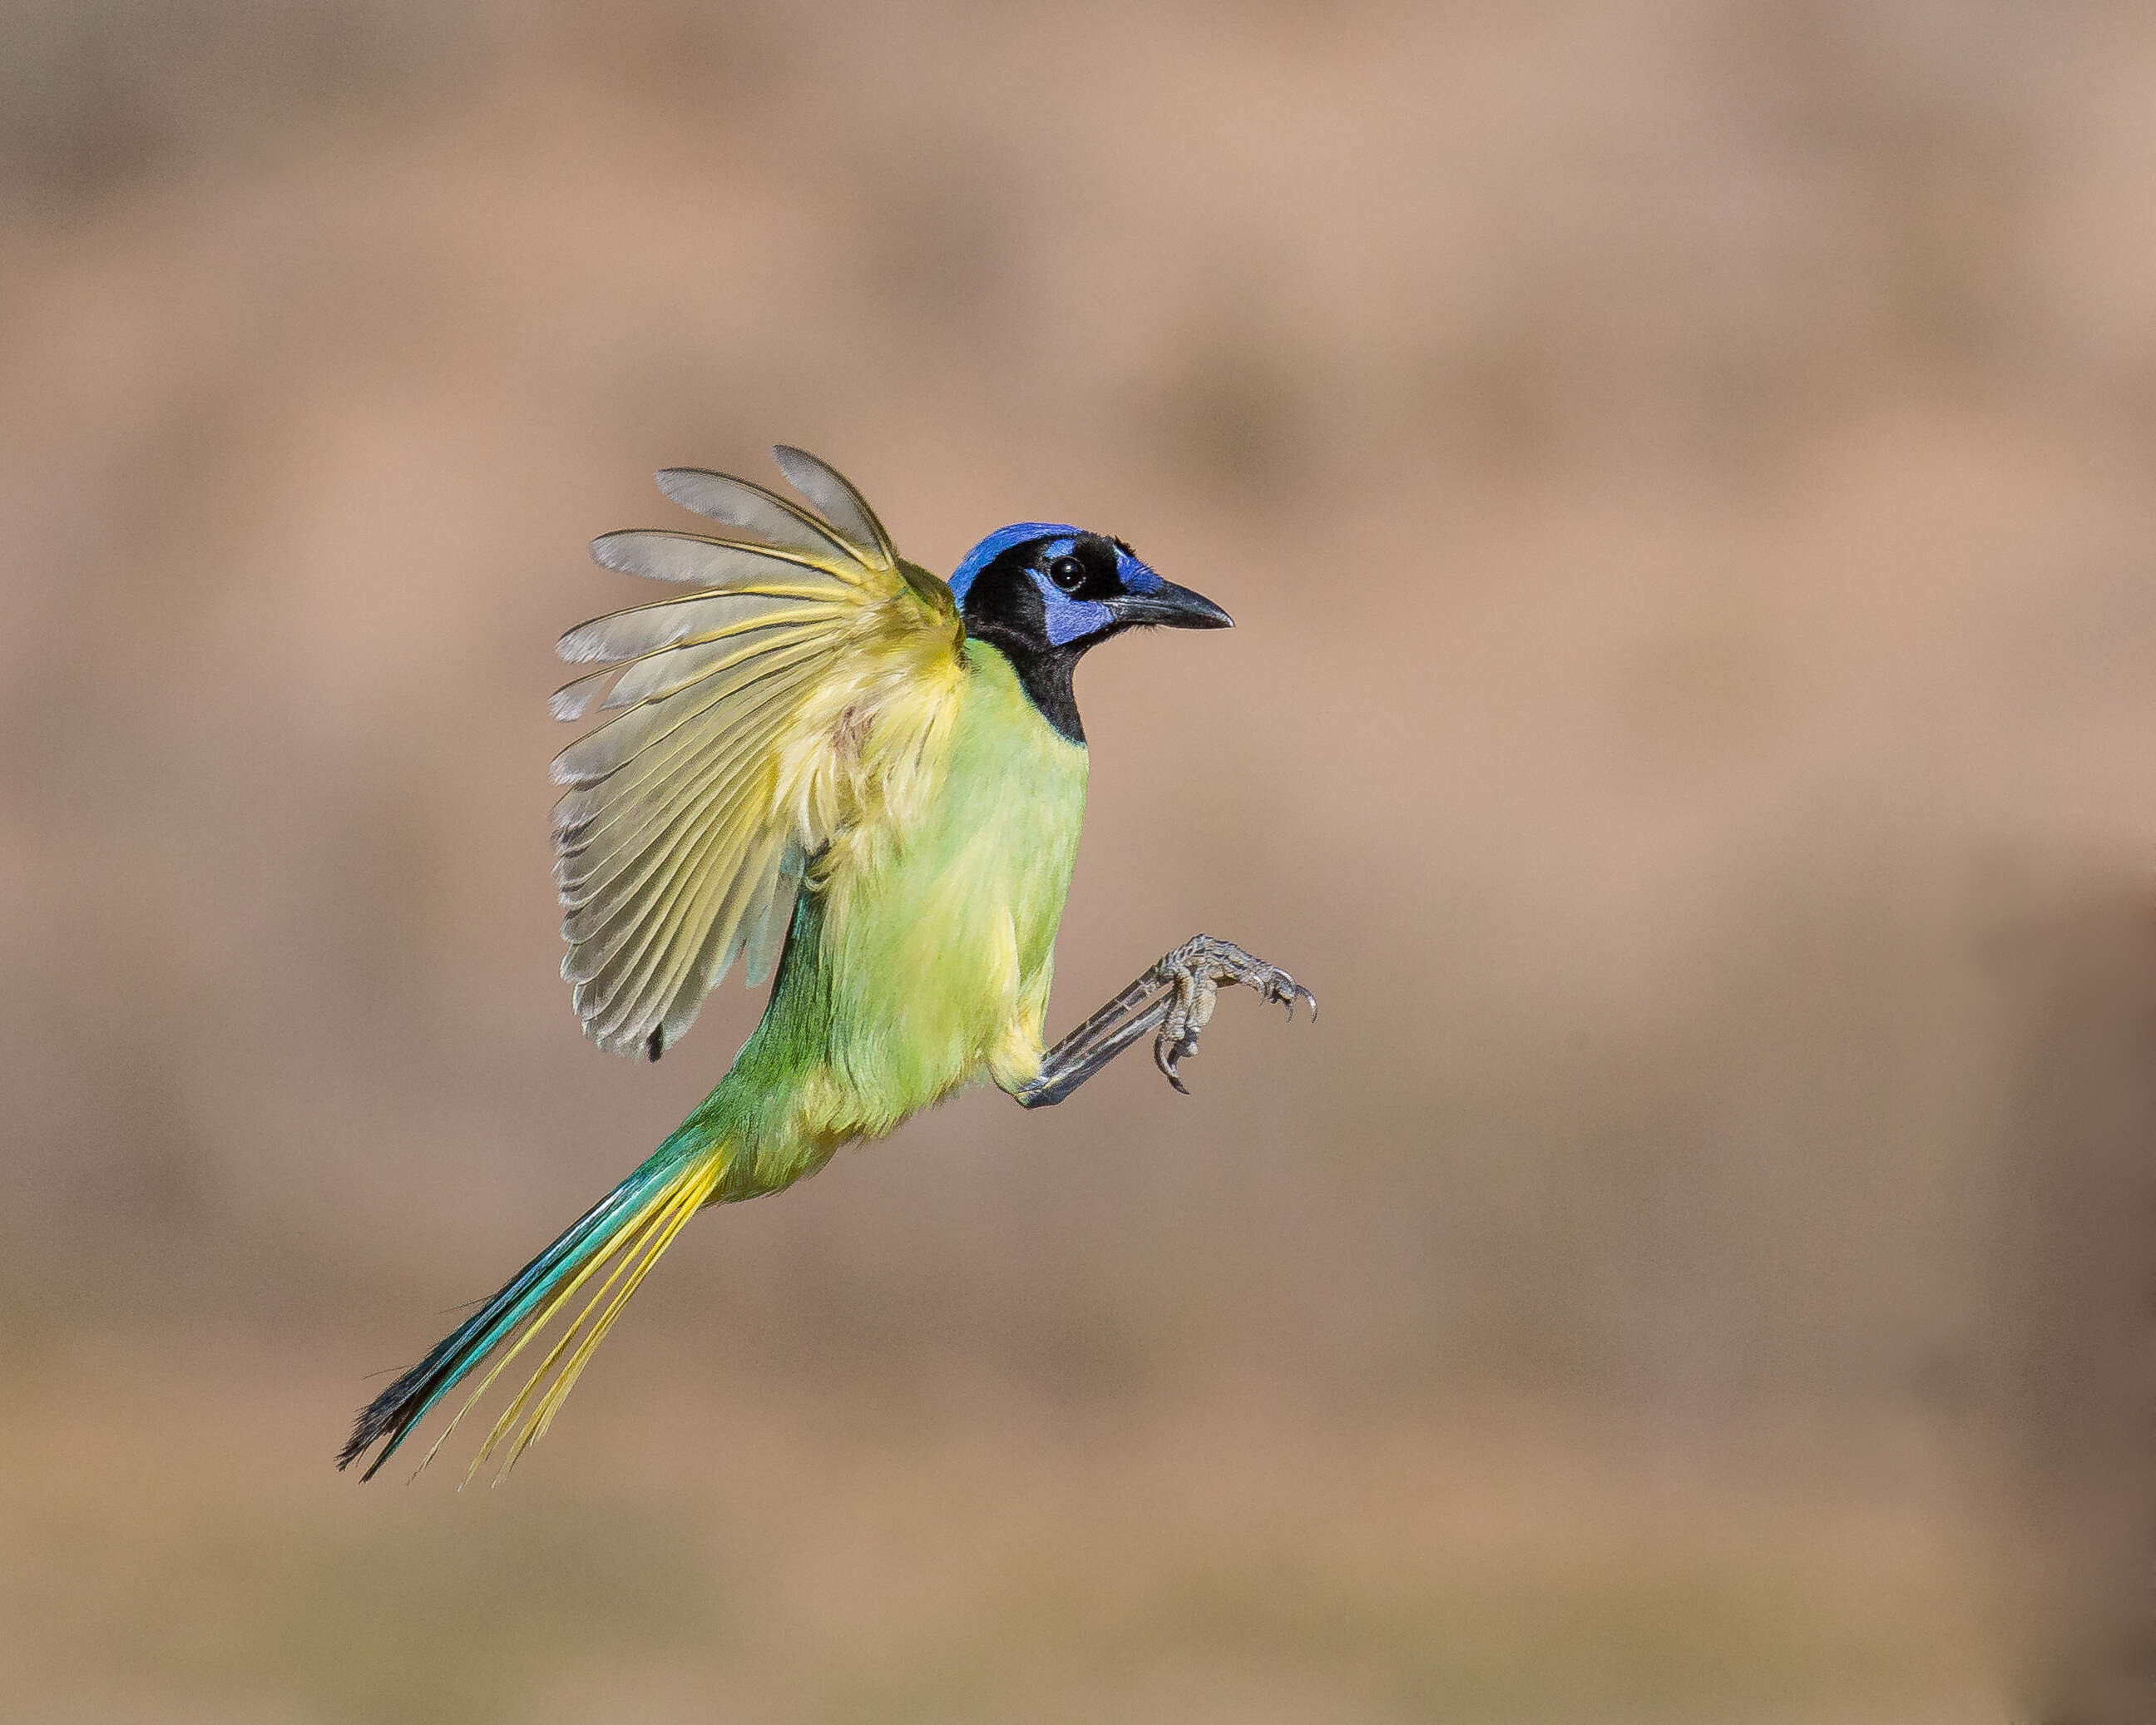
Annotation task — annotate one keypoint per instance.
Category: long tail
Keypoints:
(627, 1229)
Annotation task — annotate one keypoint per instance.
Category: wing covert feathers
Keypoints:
(791, 710)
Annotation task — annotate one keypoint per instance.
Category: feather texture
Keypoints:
(701, 560)
(845, 507)
(791, 704)
(736, 503)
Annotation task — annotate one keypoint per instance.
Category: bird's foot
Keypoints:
(1195, 972)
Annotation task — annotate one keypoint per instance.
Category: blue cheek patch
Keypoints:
(1069, 618)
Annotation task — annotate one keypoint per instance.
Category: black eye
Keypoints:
(1066, 572)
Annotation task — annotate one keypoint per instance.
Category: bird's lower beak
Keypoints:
(1171, 606)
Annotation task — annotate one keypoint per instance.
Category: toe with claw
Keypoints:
(1194, 973)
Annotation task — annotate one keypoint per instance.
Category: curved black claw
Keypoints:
(1168, 1052)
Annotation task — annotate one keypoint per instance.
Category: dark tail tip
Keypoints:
(389, 1418)
(390, 1415)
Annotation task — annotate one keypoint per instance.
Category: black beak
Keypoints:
(1170, 607)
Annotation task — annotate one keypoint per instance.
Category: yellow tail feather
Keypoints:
(634, 1248)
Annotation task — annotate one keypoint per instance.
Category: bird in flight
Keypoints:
(825, 757)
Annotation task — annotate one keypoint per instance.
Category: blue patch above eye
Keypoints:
(1134, 575)
(1069, 619)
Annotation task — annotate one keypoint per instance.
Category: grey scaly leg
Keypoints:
(1173, 1001)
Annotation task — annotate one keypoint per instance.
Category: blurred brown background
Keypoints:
(1683, 474)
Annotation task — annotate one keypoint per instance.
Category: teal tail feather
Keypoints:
(627, 1229)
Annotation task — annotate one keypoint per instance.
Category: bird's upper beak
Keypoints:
(1170, 607)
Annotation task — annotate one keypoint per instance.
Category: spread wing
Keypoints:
(797, 697)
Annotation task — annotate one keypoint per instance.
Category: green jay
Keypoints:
(825, 756)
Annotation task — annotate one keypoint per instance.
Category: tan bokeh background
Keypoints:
(1682, 473)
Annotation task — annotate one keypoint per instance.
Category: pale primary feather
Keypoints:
(842, 506)
(618, 815)
(736, 503)
(782, 662)
(712, 560)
